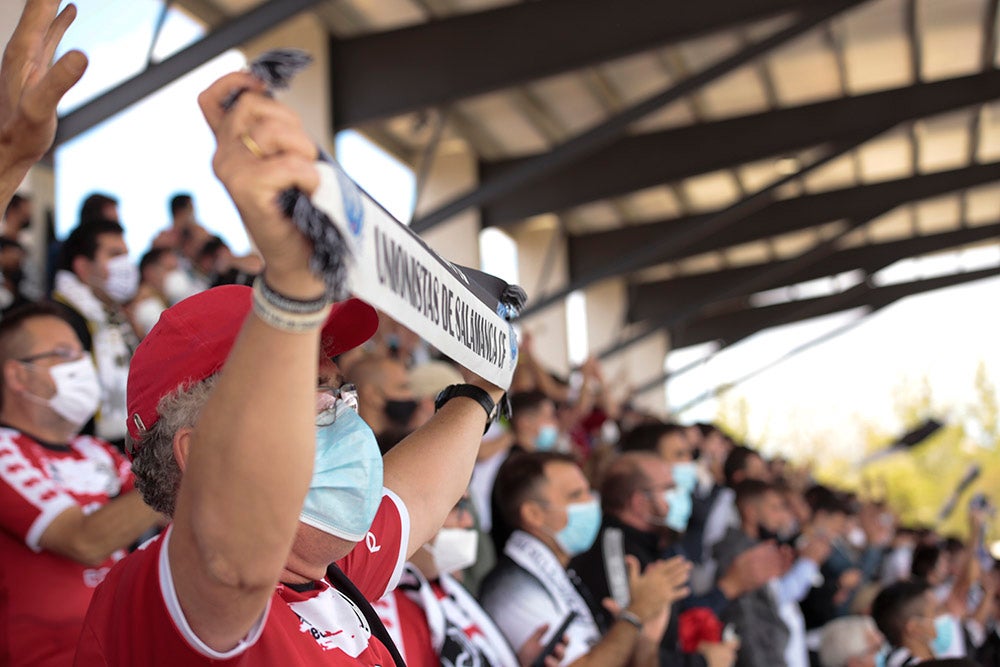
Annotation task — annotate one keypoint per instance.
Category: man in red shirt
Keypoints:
(59, 528)
(267, 477)
(67, 507)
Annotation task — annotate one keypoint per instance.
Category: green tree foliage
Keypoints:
(733, 416)
(917, 483)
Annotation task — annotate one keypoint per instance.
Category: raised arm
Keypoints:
(431, 468)
(30, 89)
(248, 462)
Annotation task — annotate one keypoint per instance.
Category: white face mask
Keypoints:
(177, 286)
(454, 549)
(856, 537)
(123, 279)
(78, 392)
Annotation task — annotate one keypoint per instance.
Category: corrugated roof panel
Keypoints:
(858, 237)
(758, 175)
(791, 245)
(505, 123)
(838, 173)
(381, 15)
(951, 37)
(596, 216)
(652, 204)
(738, 94)
(894, 225)
(944, 141)
(806, 72)
(989, 133)
(569, 102)
(704, 263)
(876, 47)
(746, 254)
(637, 77)
(886, 157)
(937, 215)
(983, 205)
(673, 115)
(697, 54)
(710, 192)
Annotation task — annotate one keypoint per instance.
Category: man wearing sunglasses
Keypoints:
(67, 505)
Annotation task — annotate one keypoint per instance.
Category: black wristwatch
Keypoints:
(481, 396)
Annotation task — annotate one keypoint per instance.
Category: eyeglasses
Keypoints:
(327, 399)
(63, 354)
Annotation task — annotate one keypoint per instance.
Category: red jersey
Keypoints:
(407, 625)
(44, 596)
(136, 619)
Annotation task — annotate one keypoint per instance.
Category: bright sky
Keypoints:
(161, 146)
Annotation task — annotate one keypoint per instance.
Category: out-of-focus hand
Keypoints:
(533, 647)
(816, 548)
(524, 346)
(663, 583)
(719, 654)
(31, 87)
(977, 518)
(878, 530)
(262, 151)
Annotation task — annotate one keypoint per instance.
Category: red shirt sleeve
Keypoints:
(376, 562)
(29, 498)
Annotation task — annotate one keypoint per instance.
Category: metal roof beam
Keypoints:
(742, 323)
(389, 73)
(608, 131)
(658, 299)
(589, 253)
(640, 161)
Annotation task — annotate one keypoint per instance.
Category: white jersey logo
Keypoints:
(334, 622)
(373, 546)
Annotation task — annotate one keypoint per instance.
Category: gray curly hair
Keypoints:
(157, 475)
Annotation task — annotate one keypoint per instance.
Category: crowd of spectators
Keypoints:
(143, 397)
(579, 497)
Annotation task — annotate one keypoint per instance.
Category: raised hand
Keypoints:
(262, 151)
(663, 583)
(31, 87)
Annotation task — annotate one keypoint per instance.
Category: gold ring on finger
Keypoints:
(251, 145)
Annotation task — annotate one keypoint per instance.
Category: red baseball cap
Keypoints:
(192, 341)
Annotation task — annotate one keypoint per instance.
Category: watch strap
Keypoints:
(477, 394)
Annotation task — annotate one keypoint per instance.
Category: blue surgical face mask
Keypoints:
(943, 631)
(546, 438)
(582, 528)
(679, 504)
(685, 475)
(880, 658)
(346, 487)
